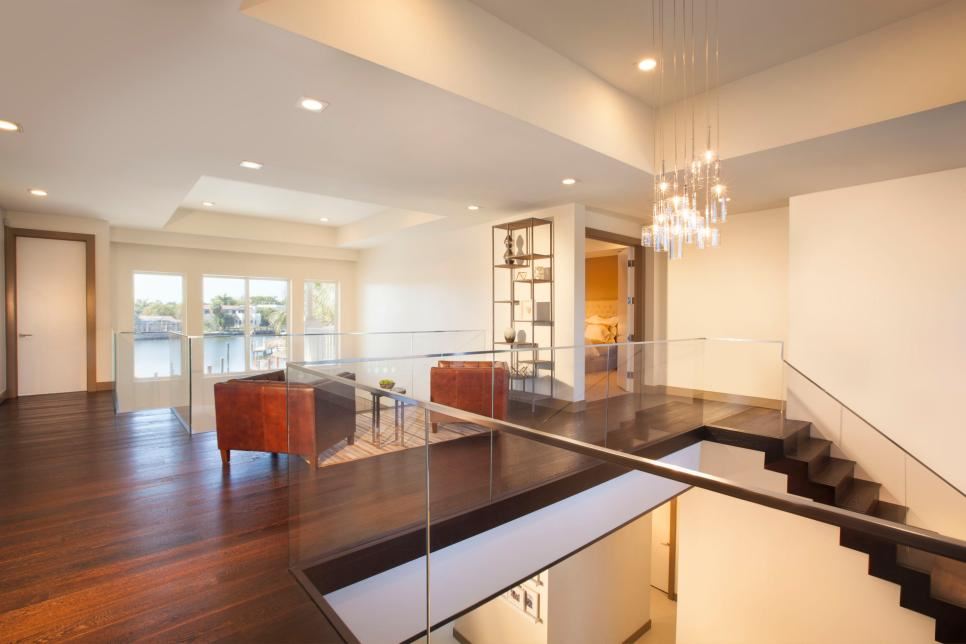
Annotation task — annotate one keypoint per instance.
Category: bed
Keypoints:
(601, 329)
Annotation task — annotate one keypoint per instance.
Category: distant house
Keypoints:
(157, 324)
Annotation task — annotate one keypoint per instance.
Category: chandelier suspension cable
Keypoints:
(674, 71)
(717, 80)
(694, 85)
(689, 199)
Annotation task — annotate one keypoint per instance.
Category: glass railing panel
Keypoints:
(757, 527)
(358, 500)
(150, 372)
(435, 342)
(523, 461)
(496, 569)
(216, 358)
(742, 375)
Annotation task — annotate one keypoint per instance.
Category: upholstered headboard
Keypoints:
(603, 308)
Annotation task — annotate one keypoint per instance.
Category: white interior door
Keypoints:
(51, 316)
(661, 546)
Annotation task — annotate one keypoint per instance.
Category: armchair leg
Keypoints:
(225, 456)
(435, 427)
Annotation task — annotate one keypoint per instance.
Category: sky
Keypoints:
(169, 288)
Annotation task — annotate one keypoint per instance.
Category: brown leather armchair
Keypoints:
(478, 387)
(263, 413)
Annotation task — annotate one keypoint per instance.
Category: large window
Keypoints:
(158, 310)
(245, 322)
(321, 317)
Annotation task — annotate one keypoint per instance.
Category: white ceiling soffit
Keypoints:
(459, 47)
(257, 200)
(609, 38)
(121, 119)
(597, 248)
(915, 65)
(916, 144)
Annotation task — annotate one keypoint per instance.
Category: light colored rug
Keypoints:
(389, 438)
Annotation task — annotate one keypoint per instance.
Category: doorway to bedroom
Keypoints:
(613, 312)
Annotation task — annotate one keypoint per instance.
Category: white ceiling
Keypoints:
(126, 104)
(244, 198)
(134, 108)
(609, 37)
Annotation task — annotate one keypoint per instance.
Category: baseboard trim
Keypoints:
(639, 633)
(459, 637)
(104, 386)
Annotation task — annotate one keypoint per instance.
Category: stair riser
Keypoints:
(818, 463)
(834, 494)
(914, 585)
(801, 457)
(796, 439)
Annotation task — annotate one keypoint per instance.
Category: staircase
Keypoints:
(931, 585)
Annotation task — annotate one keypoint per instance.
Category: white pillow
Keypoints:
(598, 334)
(596, 319)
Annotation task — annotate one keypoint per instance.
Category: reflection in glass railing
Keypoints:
(438, 477)
(160, 370)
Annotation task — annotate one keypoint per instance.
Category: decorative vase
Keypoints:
(508, 254)
(509, 334)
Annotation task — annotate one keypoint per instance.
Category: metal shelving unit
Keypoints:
(515, 280)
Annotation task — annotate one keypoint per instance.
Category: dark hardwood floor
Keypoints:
(123, 528)
(120, 528)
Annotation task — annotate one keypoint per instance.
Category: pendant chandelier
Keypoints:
(690, 200)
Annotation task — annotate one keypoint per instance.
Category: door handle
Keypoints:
(665, 543)
(26, 335)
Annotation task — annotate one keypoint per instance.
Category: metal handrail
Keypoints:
(508, 350)
(882, 433)
(899, 533)
(285, 335)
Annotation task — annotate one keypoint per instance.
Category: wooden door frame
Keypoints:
(10, 261)
(624, 240)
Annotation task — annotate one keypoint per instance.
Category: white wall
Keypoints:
(877, 307)
(102, 273)
(933, 504)
(443, 280)
(602, 593)
(739, 290)
(749, 574)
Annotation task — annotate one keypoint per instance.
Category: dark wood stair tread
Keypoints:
(761, 422)
(862, 496)
(937, 591)
(834, 472)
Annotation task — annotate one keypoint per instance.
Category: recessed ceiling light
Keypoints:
(312, 104)
(9, 126)
(37, 192)
(569, 181)
(251, 165)
(472, 207)
(208, 204)
(647, 65)
(323, 219)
